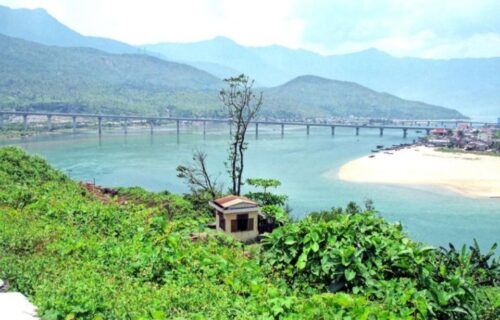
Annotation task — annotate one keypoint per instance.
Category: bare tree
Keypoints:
(197, 176)
(241, 105)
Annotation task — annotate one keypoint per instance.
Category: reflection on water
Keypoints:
(299, 161)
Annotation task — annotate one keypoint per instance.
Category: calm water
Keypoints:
(299, 161)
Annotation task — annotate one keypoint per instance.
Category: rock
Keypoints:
(15, 306)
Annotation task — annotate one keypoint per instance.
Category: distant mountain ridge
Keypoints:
(310, 94)
(469, 85)
(35, 76)
(39, 26)
(93, 88)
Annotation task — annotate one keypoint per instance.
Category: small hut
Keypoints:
(237, 216)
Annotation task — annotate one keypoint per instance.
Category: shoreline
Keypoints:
(470, 175)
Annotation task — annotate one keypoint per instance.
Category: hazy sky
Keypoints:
(423, 28)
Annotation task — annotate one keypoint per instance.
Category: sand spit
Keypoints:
(468, 174)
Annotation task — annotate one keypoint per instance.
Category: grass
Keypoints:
(479, 153)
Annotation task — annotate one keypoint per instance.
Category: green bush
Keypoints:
(131, 256)
(361, 253)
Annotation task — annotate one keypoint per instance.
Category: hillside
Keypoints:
(324, 97)
(80, 252)
(82, 79)
(468, 85)
(34, 76)
(221, 51)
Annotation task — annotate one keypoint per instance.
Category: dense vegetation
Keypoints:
(84, 252)
(308, 95)
(39, 77)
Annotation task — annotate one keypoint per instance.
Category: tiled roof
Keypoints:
(231, 200)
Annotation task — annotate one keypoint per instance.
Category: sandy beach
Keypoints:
(468, 174)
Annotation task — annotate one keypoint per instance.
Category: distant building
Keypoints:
(476, 146)
(439, 142)
(485, 135)
(439, 132)
(237, 216)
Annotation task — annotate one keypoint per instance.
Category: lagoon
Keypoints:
(302, 163)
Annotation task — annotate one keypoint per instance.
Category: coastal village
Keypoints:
(467, 138)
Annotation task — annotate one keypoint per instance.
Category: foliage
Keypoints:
(78, 256)
(485, 268)
(264, 183)
(363, 254)
(328, 215)
(276, 214)
(265, 198)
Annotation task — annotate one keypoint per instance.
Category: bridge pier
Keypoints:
(381, 131)
(99, 125)
(307, 129)
(333, 130)
(49, 122)
(357, 131)
(151, 126)
(178, 127)
(73, 123)
(1, 121)
(256, 129)
(405, 132)
(125, 126)
(428, 131)
(204, 128)
(25, 122)
(282, 129)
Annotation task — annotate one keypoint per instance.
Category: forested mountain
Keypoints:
(53, 78)
(307, 95)
(35, 76)
(469, 85)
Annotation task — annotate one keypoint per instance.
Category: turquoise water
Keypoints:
(301, 162)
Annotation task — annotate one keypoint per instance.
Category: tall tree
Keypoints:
(242, 106)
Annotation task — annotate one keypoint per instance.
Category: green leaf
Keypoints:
(349, 274)
(315, 247)
(301, 263)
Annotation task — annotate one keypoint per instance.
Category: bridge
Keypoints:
(417, 125)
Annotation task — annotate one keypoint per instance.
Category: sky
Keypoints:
(418, 28)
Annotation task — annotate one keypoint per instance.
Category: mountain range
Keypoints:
(470, 85)
(36, 76)
(191, 90)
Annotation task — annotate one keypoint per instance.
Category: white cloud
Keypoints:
(424, 28)
(257, 22)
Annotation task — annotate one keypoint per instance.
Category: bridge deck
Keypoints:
(218, 120)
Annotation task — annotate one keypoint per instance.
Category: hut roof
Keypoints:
(232, 200)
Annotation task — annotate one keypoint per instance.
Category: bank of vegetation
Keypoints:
(36, 77)
(84, 253)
